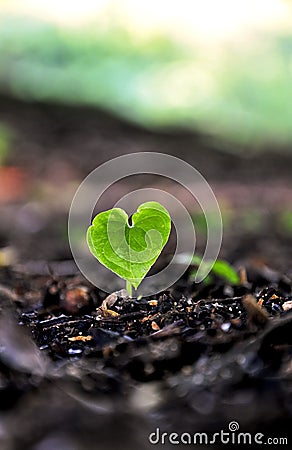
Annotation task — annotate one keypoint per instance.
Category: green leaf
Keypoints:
(129, 251)
(223, 270)
(220, 268)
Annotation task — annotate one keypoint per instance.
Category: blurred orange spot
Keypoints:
(13, 184)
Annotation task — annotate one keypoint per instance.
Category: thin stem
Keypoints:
(129, 288)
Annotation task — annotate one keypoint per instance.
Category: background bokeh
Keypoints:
(82, 82)
(223, 67)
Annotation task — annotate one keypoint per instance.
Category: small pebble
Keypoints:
(225, 327)
(75, 299)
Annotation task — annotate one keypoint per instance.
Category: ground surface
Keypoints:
(81, 371)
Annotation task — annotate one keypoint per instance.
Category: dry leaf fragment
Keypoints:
(154, 326)
(153, 302)
(80, 338)
(255, 313)
(287, 305)
(145, 319)
(109, 301)
(110, 313)
(243, 276)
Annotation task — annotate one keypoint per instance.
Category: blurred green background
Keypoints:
(220, 67)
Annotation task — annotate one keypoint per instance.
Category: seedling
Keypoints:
(219, 268)
(129, 250)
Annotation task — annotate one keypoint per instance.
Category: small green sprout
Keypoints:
(129, 250)
(220, 268)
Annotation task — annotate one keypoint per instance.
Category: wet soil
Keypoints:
(80, 369)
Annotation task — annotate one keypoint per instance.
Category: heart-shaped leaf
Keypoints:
(130, 251)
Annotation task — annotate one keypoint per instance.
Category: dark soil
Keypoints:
(82, 370)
